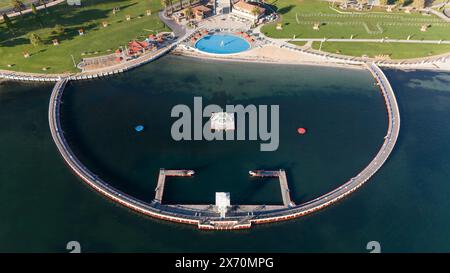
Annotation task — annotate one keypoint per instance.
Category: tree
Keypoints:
(18, 5)
(255, 11)
(189, 13)
(8, 23)
(181, 4)
(165, 4)
(58, 29)
(36, 14)
(33, 9)
(419, 4)
(35, 39)
(384, 2)
(401, 3)
(44, 2)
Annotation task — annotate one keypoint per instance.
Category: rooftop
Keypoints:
(248, 7)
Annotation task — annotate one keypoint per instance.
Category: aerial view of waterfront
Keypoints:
(60, 208)
(224, 126)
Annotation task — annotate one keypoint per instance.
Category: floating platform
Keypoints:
(139, 128)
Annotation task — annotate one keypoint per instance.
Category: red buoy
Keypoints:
(301, 131)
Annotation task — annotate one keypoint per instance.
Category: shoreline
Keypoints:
(236, 59)
(247, 56)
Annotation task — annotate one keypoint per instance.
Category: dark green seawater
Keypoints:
(405, 206)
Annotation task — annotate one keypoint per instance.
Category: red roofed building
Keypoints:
(135, 47)
(201, 12)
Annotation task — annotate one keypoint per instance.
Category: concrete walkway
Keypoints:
(438, 14)
(177, 29)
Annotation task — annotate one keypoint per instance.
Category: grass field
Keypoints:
(394, 50)
(96, 41)
(299, 17)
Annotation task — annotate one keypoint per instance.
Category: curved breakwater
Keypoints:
(210, 220)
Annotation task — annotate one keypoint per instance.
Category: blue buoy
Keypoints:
(139, 128)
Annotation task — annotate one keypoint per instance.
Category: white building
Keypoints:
(223, 202)
(248, 10)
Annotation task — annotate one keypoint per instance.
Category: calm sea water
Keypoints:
(404, 207)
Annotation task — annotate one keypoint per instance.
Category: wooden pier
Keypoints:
(162, 180)
(281, 174)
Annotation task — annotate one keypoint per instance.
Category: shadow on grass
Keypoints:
(14, 42)
(286, 9)
(37, 52)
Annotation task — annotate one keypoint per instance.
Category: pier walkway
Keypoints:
(162, 180)
(281, 175)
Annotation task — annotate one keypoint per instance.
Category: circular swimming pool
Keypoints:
(222, 44)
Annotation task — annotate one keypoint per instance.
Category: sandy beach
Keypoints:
(270, 54)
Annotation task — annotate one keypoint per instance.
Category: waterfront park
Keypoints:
(66, 44)
(297, 20)
(63, 22)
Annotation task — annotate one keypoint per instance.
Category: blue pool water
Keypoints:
(222, 44)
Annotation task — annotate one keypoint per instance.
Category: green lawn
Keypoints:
(394, 50)
(299, 43)
(97, 40)
(299, 17)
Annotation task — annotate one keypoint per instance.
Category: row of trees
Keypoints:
(170, 3)
(35, 39)
(19, 6)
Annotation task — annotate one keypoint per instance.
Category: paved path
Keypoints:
(177, 29)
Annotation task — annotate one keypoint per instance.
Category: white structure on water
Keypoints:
(223, 202)
(222, 121)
